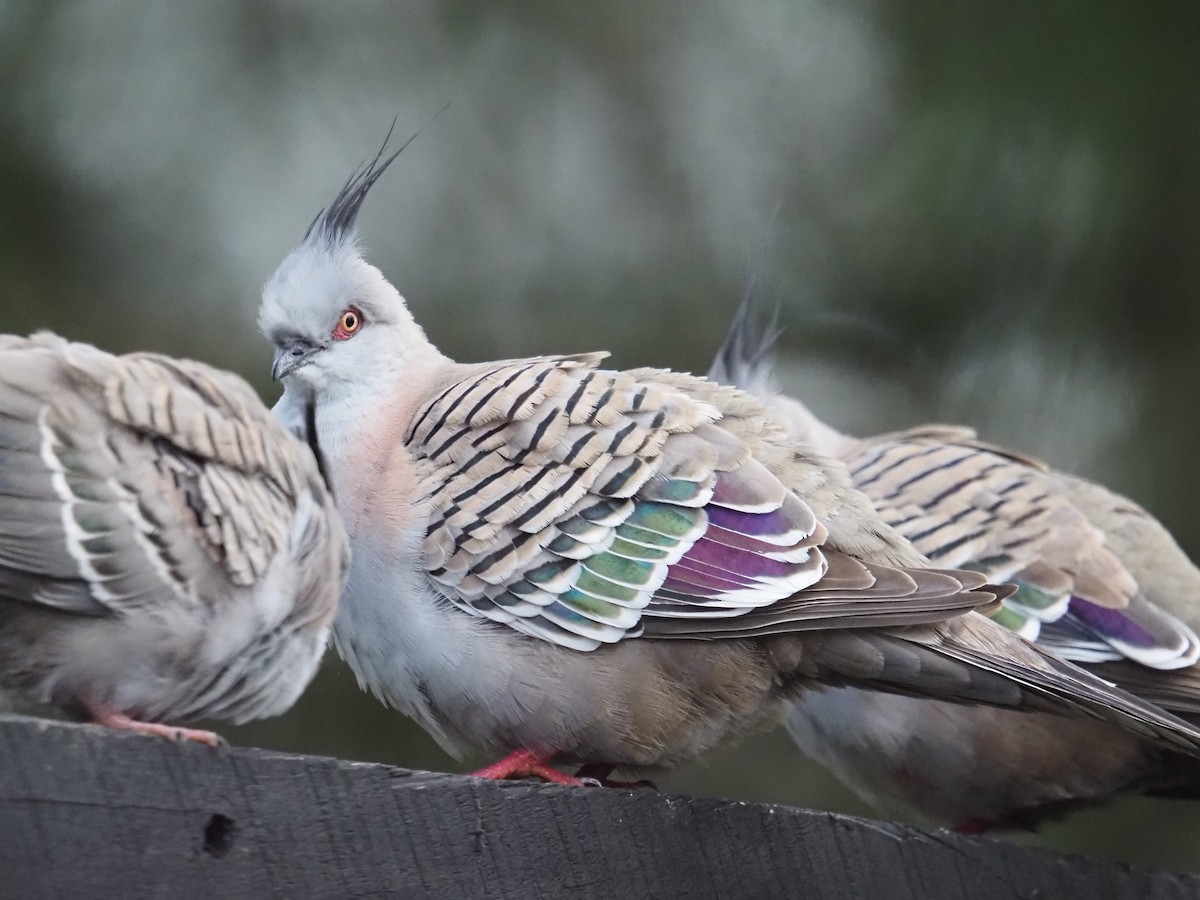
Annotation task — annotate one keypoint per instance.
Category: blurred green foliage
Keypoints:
(987, 214)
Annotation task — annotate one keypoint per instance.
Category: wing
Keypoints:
(1167, 601)
(584, 506)
(124, 479)
(966, 503)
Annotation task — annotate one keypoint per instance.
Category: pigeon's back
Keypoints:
(167, 550)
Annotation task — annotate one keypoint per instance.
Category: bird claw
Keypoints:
(200, 736)
(596, 775)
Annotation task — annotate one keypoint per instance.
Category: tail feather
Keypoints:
(960, 661)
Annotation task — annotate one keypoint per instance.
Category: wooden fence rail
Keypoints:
(90, 813)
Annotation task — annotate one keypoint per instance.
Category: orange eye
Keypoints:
(350, 321)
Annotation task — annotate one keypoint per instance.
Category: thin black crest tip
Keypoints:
(752, 336)
(750, 342)
(335, 223)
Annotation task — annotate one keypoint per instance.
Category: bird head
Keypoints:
(334, 319)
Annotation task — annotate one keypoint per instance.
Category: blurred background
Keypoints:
(987, 215)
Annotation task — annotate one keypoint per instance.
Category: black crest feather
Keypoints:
(749, 345)
(750, 342)
(335, 223)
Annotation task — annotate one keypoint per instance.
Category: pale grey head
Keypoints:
(333, 318)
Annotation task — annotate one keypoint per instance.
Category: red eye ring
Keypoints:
(349, 323)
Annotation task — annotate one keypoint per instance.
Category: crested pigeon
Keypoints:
(1100, 583)
(620, 569)
(167, 550)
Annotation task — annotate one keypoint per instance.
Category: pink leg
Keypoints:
(526, 763)
(170, 732)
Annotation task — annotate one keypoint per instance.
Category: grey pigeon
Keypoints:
(1100, 583)
(167, 550)
(565, 563)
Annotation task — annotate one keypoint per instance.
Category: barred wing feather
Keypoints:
(585, 506)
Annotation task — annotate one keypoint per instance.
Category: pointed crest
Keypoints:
(334, 225)
(745, 355)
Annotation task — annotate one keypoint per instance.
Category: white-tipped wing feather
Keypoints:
(584, 506)
(965, 503)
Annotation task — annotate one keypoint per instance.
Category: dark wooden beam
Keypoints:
(90, 813)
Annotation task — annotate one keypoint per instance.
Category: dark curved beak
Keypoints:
(291, 355)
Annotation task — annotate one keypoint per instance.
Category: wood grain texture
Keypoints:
(90, 813)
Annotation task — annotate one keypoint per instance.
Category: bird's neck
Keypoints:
(362, 437)
(806, 427)
(386, 384)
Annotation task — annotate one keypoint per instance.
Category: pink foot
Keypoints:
(170, 732)
(526, 763)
